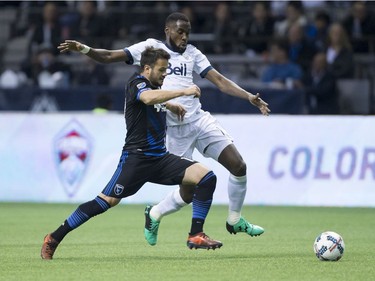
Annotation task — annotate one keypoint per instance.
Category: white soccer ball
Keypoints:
(329, 246)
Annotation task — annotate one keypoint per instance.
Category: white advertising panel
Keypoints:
(291, 160)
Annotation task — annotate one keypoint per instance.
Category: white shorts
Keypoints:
(204, 134)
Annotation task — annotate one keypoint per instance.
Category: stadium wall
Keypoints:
(291, 160)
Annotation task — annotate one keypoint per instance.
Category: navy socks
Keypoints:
(83, 213)
(202, 201)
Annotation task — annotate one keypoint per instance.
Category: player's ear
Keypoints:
(147, 68)
(166, 30)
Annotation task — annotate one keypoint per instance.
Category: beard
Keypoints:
(155, 81)
(176, 48)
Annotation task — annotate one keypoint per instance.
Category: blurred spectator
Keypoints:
(48, 31)
(255, 31)
(278, 9)
(318, 32)
(103, 104)
(300, 50)
(281, 73)
(118, 19)
(320, 88)
(92, 74)
(314, 4)
(12, 79)
(339, 52)
(46, 71)
(195, 21)
(294, 14)
(360, 26)
(134, 24)
(223, 27)
(196, 26)
(88, 28)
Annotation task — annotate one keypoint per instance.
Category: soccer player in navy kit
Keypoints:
(189, 127)
(145, 157)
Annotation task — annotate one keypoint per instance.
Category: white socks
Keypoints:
(236, 194)
(170, 204)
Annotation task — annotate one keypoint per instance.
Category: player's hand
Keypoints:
(70, 45)
(193, 91)
(177, 109)
(261, 104)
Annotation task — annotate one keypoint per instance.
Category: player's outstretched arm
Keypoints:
(229, 87)
(99, 55)
(151, 97)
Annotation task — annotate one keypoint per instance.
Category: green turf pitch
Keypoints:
(112, 247)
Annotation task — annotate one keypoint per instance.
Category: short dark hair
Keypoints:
(150, 55)
(174, 17)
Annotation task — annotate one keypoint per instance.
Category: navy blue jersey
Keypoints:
(145, 124)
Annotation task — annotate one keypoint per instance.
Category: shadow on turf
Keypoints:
(197, 256)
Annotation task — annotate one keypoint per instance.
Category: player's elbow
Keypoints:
(148, 102)
(105, 59)
(102, 59)
(222, 87)
(147, 98)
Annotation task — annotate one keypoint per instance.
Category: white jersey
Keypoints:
(180, 75)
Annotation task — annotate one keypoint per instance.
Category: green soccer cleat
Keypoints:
(244, 226)
(151, 227)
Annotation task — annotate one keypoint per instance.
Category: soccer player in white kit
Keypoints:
(189, 126)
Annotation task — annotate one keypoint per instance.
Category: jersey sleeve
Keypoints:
(201, 64)
(142, 87)
(134, 51)
(139, 86)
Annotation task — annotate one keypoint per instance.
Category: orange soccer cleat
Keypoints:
(202, 241)
(49, 247)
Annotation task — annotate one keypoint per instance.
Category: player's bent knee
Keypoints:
(112, 201)
(187, 193)
(194, 174)
(238, 169)
(206, 187)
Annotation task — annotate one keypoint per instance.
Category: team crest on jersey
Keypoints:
(141, 85)
(118, 189)
(72, 148)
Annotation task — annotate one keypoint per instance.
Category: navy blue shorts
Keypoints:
(134, 170)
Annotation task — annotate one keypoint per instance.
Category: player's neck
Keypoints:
(172, 47)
